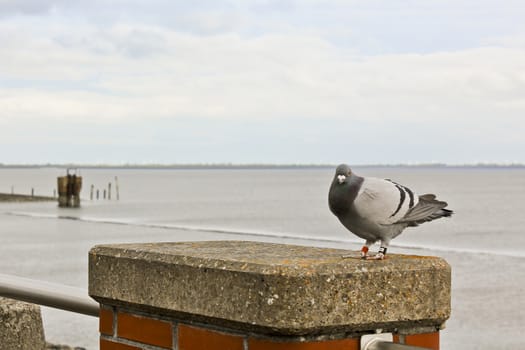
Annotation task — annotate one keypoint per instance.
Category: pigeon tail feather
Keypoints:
(427, 209)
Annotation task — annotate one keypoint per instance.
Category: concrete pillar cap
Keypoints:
(271, 288)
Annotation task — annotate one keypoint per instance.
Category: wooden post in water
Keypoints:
(62, 185)
(91, 192)
(69, 187)
(109, 191)
(104, 193)
(116, 187)
(32, 192)
(77, 186)
(97, 193)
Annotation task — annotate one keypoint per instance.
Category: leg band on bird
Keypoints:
(364, 252)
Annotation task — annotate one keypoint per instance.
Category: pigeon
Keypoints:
(379, 209)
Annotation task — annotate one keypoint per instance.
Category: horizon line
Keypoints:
(231, 165)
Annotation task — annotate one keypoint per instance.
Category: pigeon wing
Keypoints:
(427, 209)
(383, 201)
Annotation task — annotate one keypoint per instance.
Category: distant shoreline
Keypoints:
(256, 166)
(8, 197)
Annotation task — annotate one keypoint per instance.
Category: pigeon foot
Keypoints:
(381, 254)
(378, 256)
(350, 256)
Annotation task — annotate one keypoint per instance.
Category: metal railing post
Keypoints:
(384, 341)
(387, 345)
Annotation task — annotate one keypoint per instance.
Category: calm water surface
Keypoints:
(483, 241)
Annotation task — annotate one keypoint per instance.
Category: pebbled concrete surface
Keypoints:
(273, 288)
(20, 326)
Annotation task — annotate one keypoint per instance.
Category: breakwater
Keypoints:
(10, 197)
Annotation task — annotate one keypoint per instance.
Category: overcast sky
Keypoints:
(243, 81)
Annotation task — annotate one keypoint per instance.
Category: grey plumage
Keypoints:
(377, 209)
(428, 209)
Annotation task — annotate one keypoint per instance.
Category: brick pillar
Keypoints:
(232, 295)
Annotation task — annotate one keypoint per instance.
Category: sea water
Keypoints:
(483, 241)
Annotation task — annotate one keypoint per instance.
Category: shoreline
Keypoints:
(8, 197)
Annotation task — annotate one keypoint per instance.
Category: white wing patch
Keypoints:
(384, 202)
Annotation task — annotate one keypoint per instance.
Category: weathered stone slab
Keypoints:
(272, 288)
(20, 326)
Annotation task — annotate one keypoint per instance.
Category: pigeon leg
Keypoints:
(382, 251)
(366, 247)
(364, 252)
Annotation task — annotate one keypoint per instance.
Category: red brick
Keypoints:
(195, 338)
(425, 340)
(144, 330)
(342, 344)
(105, 324)
(109, 345)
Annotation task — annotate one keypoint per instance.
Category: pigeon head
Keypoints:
(342, 172)
(343, 190)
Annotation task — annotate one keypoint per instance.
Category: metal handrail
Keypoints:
(48, 294)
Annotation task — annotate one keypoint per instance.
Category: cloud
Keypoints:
(27, 7)
(136, 71)
(259, 64)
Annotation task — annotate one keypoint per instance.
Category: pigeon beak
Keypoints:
(341, 178)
